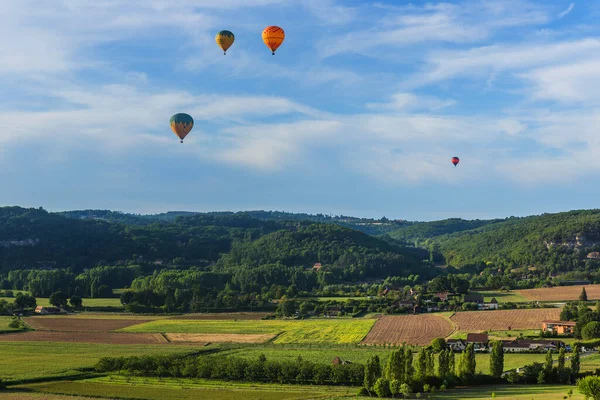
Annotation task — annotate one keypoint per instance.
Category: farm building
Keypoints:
(49, 310)
(339, 361)
(492, 305)
(560, 327)
(443, 296)
(456, 344)
(518, 346)
(317, 266)
(479, 340)
(473, 298)
(594, 255)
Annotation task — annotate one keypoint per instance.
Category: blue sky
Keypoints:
(358, 113)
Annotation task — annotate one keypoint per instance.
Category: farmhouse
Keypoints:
(560, 327)
(443, 296)
(594, 255)
(517, 346)
(473, 298)
(479, 340)
(492, 305)
(317, 266)
(339, 361)
(49, 310)
(456, 344)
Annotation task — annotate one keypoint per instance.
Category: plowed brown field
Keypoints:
(85, 337)
(79, 324)
(496, 320)
(409, 329)
(561, 293)
(221, 338)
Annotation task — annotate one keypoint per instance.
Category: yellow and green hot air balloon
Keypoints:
(224, 39)
(181, 124)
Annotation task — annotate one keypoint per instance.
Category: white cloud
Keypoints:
(410, 102)
(566, 12)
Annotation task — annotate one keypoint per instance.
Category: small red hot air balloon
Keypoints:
(455, 160)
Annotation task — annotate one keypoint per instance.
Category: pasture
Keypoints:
(4, 321)
(504, 297)
(511, 392)
(561, 293)
(27, 360)
(167, 389)
(294, 331)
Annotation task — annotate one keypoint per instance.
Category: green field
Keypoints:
(511, 392)
(167, 389)
(305, 331)
(27, 360)
(504, 297)
(4, 321)
(109, 302)
(590, 363)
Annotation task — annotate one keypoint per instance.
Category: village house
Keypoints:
(594, 255)
(479, 340)
(559, 327)
(518, 346)
(456, 344)
(339, 361)
(443, 296)
(317, 267)
(473, 298)
(49, 310)
(492, 305)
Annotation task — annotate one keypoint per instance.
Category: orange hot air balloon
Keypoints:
(273, 37)
(455, 160)
(181, 124)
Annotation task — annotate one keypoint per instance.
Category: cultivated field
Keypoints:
(208, 338)
(409, 329)
(85, 337)
(497, 320)
(504, 297)
(561, 293)
(67, 323)
(305, 331)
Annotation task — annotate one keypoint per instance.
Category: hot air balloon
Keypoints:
(224, 39)
(455, 160)
(273, 37)
(181, 124)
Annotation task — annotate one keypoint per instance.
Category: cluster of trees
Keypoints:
(548, 373)
(20, 302)
(237, 369)
(402, 374)
(588, 320)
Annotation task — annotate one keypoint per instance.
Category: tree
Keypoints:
(395, 366)
(430, 363)
(422, 364)
(395, 387)
(443, 364)
(405, 390)
(372, 372)
(497, 360)
(548, 364)
(561, 359)
(591, 330)
(575, 364)
(382, 387)
(409, 369)
(438, 345)
(467, 364)
(589, 387)
(583, 295)
(75, 301)
(451, 362)
(58, 299)
(25, 301)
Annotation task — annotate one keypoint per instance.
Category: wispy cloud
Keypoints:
(567, 11)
